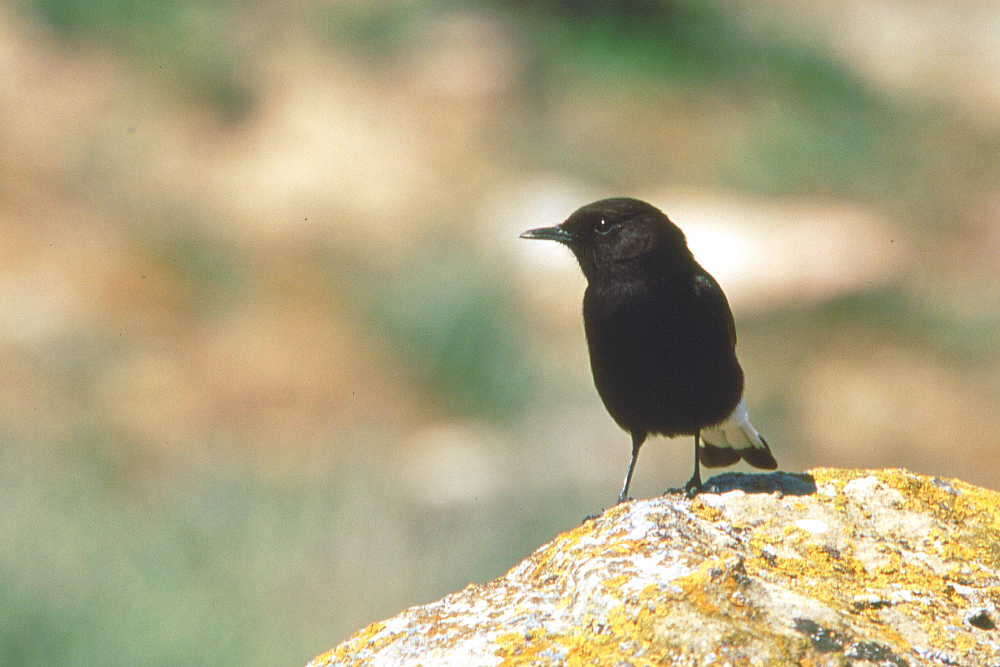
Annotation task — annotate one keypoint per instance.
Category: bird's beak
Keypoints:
(556, 233)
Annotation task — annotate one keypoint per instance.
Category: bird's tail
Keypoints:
(733, 439)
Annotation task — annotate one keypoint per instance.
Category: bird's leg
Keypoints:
(693, 486)
(638, 437)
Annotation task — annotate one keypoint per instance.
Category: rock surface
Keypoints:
(833, 567)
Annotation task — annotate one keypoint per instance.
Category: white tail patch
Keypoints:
(736, 432)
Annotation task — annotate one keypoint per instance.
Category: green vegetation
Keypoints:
(105, 565)
(186, 41)
(210, 269)
(812, 125)
(453, 325)
(892, 311)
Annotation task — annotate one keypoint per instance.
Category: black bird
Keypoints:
(661, 335)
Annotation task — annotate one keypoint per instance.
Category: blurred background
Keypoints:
(275, 364)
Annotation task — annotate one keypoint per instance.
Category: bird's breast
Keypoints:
(660, 361)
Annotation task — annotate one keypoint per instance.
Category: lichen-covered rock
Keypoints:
(833, 567)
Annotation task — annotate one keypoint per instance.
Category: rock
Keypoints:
(833, 567)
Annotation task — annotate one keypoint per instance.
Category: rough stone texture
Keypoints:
(834, 567)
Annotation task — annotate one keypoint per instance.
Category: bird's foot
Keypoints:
(591, 517)
(693, 487)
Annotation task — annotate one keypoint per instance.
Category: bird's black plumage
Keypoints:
(661, 334)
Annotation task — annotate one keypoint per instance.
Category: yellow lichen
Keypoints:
(517, 648)
(613, 584)
(926, 576)
(361, 640)
(707, 512)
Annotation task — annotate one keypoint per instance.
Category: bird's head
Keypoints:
(612, 236)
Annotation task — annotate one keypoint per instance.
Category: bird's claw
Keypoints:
(692, 488)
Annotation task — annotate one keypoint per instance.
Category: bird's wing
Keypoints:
(705, 287)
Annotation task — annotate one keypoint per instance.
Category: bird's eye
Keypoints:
(602, 227)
